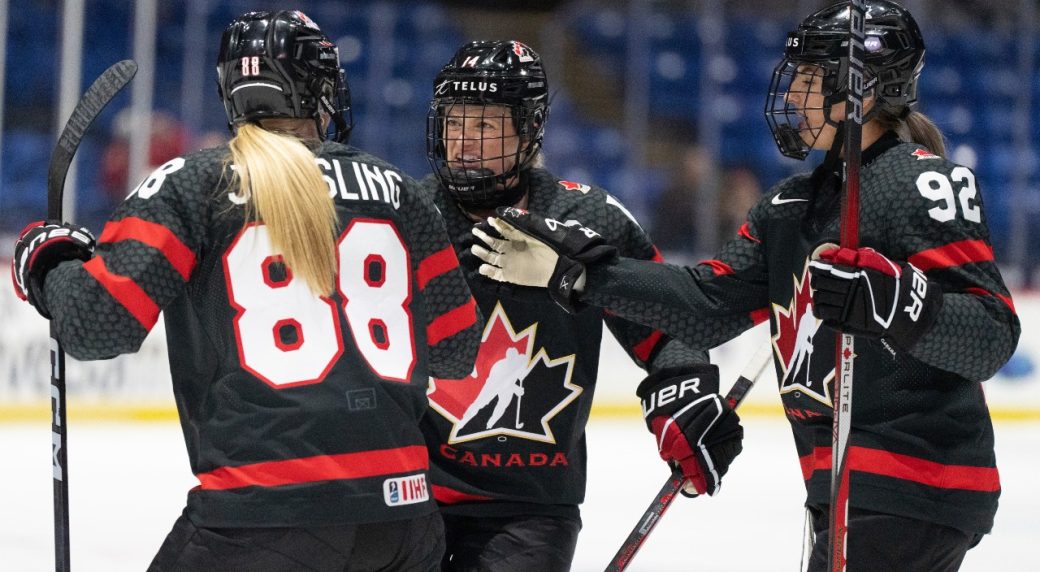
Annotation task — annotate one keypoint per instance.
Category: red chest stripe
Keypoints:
(125, 291)
(436, 264)
(155, 235)
(908, 468)
(319, 468)
(452, 322)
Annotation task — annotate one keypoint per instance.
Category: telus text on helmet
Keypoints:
(476, 86)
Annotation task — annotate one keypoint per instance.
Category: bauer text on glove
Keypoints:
(695, 429)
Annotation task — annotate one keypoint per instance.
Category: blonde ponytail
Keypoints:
(916, 127)
(286, 191)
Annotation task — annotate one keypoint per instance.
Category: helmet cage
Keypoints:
(482, 74)
(893, 59)
(281, 65)
(494, 181)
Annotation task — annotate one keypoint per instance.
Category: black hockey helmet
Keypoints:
(280, 64)
(893, 58)
(506, 73)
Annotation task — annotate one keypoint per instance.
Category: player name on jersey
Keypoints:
(369, 183)
(354, 182)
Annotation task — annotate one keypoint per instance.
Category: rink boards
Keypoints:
(138, 386)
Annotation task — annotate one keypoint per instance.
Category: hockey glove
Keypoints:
(541, 252)
(41, 247)
(695, 428)
(861, 292)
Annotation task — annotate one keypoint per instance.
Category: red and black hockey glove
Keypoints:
(861, 292)
(41, 247)
(539, 251)
(695, 428)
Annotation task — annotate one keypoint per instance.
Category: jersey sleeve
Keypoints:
(941, 229)
(145, 256)
(649, 347)
(701, 306)
(453, 320)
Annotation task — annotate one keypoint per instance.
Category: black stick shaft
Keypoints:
(97, 96)
(845, 353)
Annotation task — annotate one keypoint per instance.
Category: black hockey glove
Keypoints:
(695, 428)
(861, 292)
(41, 247)
(541, 252)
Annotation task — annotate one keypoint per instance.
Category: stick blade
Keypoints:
(98, 95)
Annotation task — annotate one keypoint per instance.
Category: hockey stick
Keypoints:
(671, 487)
(519, 398)
(844, 349)
(97, 96)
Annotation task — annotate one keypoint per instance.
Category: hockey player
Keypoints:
(931, 313)
(309, 291)
(509, 478)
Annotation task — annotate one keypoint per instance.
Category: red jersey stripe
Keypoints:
(154, 235)
(452, 322)
(953, 254)
(758, 316)
(1005, 299)
(125, 291)
(745, 231)
(449, 495)
(318, 468)
(436, 264)
(644, 348)
(908, 468)
(719, 267)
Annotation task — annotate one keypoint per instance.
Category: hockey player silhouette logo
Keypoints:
(798, 333)
(513, 390)
(504, 380)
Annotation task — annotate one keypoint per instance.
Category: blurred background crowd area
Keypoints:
(659, 102)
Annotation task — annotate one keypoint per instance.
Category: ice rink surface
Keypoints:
(128, 482)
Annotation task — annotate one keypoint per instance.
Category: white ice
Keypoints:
(128, 482)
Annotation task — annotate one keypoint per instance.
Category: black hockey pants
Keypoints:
(884, 542)
(509, 544)
(412, 545)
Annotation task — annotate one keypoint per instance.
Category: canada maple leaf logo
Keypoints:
(513, 390)
(797, 329)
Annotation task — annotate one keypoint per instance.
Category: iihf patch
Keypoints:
(572, 186)
(402, 491)
(924, 154)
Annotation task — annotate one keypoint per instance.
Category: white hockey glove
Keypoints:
(540, 252)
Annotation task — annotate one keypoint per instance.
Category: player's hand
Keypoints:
(538, 251)
(695, 428)
(863, 293)
(41, 247)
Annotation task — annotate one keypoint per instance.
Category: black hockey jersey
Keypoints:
(922, 441)
(509, 437)
(296, 410)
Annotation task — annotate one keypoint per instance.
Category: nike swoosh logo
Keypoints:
(778, 201)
